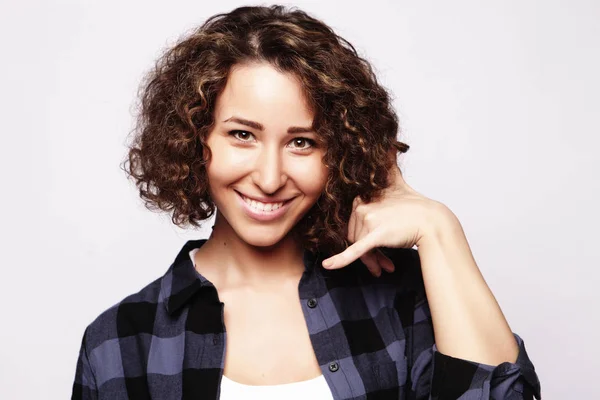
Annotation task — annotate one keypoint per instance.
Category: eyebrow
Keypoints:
(260, 127)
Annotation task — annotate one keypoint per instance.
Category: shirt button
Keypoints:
(312, 303)
(334, 366)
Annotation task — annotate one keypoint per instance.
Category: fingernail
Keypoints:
(328, 263)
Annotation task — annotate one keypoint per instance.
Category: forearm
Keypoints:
(467, 320)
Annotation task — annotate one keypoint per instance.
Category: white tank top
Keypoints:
(314, 389)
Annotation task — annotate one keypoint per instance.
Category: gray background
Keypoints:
(498, 99)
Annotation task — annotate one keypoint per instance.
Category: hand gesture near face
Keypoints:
(399, 219)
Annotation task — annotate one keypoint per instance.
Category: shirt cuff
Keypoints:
(459, 379)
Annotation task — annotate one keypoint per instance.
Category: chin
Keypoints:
(261, 237)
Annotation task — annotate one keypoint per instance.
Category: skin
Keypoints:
(256, 265)
(467, 320)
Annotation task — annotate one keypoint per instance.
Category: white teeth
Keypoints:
(262, 206)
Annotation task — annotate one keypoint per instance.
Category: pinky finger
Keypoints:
(385, 262)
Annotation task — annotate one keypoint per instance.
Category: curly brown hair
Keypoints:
(353, 116)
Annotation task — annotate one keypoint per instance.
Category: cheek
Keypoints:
(226, 163)
(313, 179)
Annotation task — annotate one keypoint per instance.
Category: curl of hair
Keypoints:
(353, 116)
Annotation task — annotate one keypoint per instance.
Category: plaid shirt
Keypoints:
(373, 338)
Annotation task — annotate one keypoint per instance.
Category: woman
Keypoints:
(309, 285)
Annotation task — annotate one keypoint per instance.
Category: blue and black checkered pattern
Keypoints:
(373, 338)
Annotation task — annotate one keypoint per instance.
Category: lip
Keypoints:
(263, 215)
(263, 199)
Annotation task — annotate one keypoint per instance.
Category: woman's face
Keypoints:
(263, 148)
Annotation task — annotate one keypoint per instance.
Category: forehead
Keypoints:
(260, 92)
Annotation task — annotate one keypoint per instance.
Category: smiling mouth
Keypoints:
(262, 206)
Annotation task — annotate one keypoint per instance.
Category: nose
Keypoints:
(269, 174)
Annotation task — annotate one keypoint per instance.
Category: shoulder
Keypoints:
(131, 316)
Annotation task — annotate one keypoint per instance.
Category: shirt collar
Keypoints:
(182, 281)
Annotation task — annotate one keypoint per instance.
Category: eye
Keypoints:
(235, 132)
(302, 140)
(300, 143)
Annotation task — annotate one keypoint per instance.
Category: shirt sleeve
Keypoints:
(84, 386)
(434, 375)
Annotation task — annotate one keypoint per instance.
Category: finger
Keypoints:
(371, 262)
(358, 226)
(352, 221)
(385, 262)
(369, 259)
(352, 253)
(351, 224)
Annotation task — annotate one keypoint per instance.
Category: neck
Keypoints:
(235, 260)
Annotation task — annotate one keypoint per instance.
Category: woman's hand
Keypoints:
(467, 320)
(400, 218)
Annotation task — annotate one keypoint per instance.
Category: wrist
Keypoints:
(440, 224)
